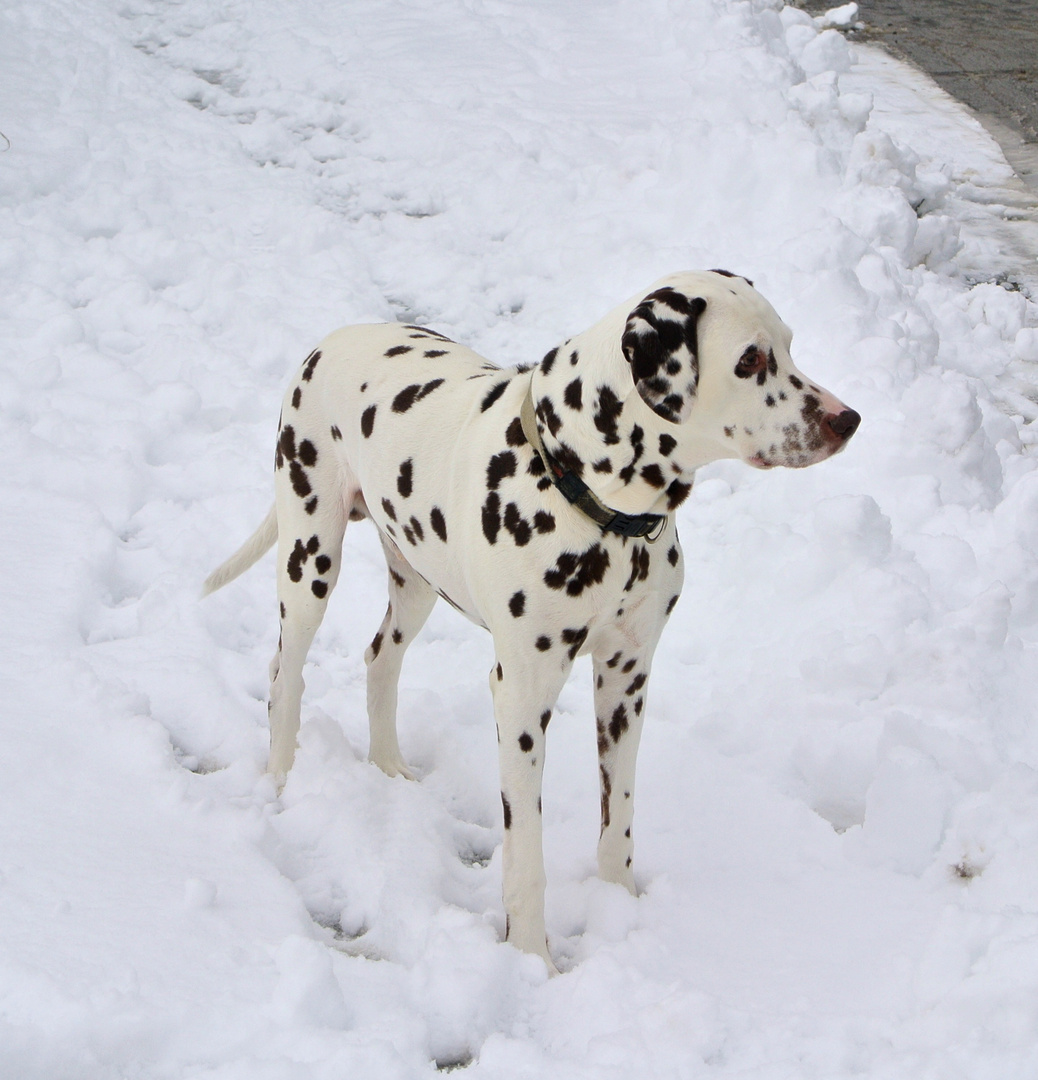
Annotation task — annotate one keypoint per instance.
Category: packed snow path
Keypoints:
(837, 832)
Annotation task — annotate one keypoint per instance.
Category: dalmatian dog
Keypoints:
(538, 501)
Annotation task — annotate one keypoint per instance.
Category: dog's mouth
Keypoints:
(758, 461)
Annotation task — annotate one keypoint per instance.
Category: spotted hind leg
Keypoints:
(311, 524)
(410, 600)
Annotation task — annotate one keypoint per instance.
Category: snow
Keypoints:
(838, 788)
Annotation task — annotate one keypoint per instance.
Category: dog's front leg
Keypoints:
(524, 693)
(621, 681)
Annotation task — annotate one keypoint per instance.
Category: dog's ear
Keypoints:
(660, 343)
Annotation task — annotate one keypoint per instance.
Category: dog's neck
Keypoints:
(593, 422)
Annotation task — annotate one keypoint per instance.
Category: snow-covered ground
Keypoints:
(838, 805)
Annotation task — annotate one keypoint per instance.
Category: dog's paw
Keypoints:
(393, 767)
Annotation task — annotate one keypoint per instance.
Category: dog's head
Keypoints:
(709, 354)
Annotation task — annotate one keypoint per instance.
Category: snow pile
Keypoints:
(838, 806)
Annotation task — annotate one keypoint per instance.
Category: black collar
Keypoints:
(580, 495)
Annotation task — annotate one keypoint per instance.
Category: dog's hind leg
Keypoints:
(411, 599)
(311, 518)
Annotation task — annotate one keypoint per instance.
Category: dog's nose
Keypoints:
(844, 424)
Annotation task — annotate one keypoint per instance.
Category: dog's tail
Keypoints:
(261, 541)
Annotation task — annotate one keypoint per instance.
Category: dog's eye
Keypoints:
(751, 362)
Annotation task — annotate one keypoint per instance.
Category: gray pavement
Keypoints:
(983, 52)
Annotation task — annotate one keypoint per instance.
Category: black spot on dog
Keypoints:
(728, 273)
(517, 605)
(307, 453)
(376, 645)
(544, 522)
(636, 683)
(575, 572)
(573, 395)
(319, 589)
(574, 639)
(409, 535)
(310, 505)
(548, 361)
(536, 466)
(405, 479)
(569, 459)
(546, 412)
(619, 723)
(545, 718)
(426, 330)
(398, 580)
(397, 637)
(769, 401)
(607, 414)
(398, 350)
(501, 465)
(653, 475)
(311, 363)
(322, 564)
(797, 383)
(363, 387)
(287, 442)
(416, 528)
(514, 435)
(282, 610)
(670, 604)
(297, 397)
(389, 508)
(508, 819)
(638, 705)
(428, 388)
(626, 474)
(406, 398)
(526, 742)
(614, 659)
(439, 525)
(491, 517)
(296, 558)
(672, 556)
(677, 493)
(336, 433)
(573, 358)
(313, 545)
(367, 421)
(500, 673)
(300, 484)
(639, 566)
(543, 643)
(544, 483)
(730, 432)
(517, 525)
(603, 465)
(629, 666)
(603, 741)
(607, 790)
(430, 353)
(492, 395)
(667, 444)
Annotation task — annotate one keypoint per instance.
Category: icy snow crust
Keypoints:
(837, 829)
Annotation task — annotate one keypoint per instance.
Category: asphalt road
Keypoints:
(983, 52)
